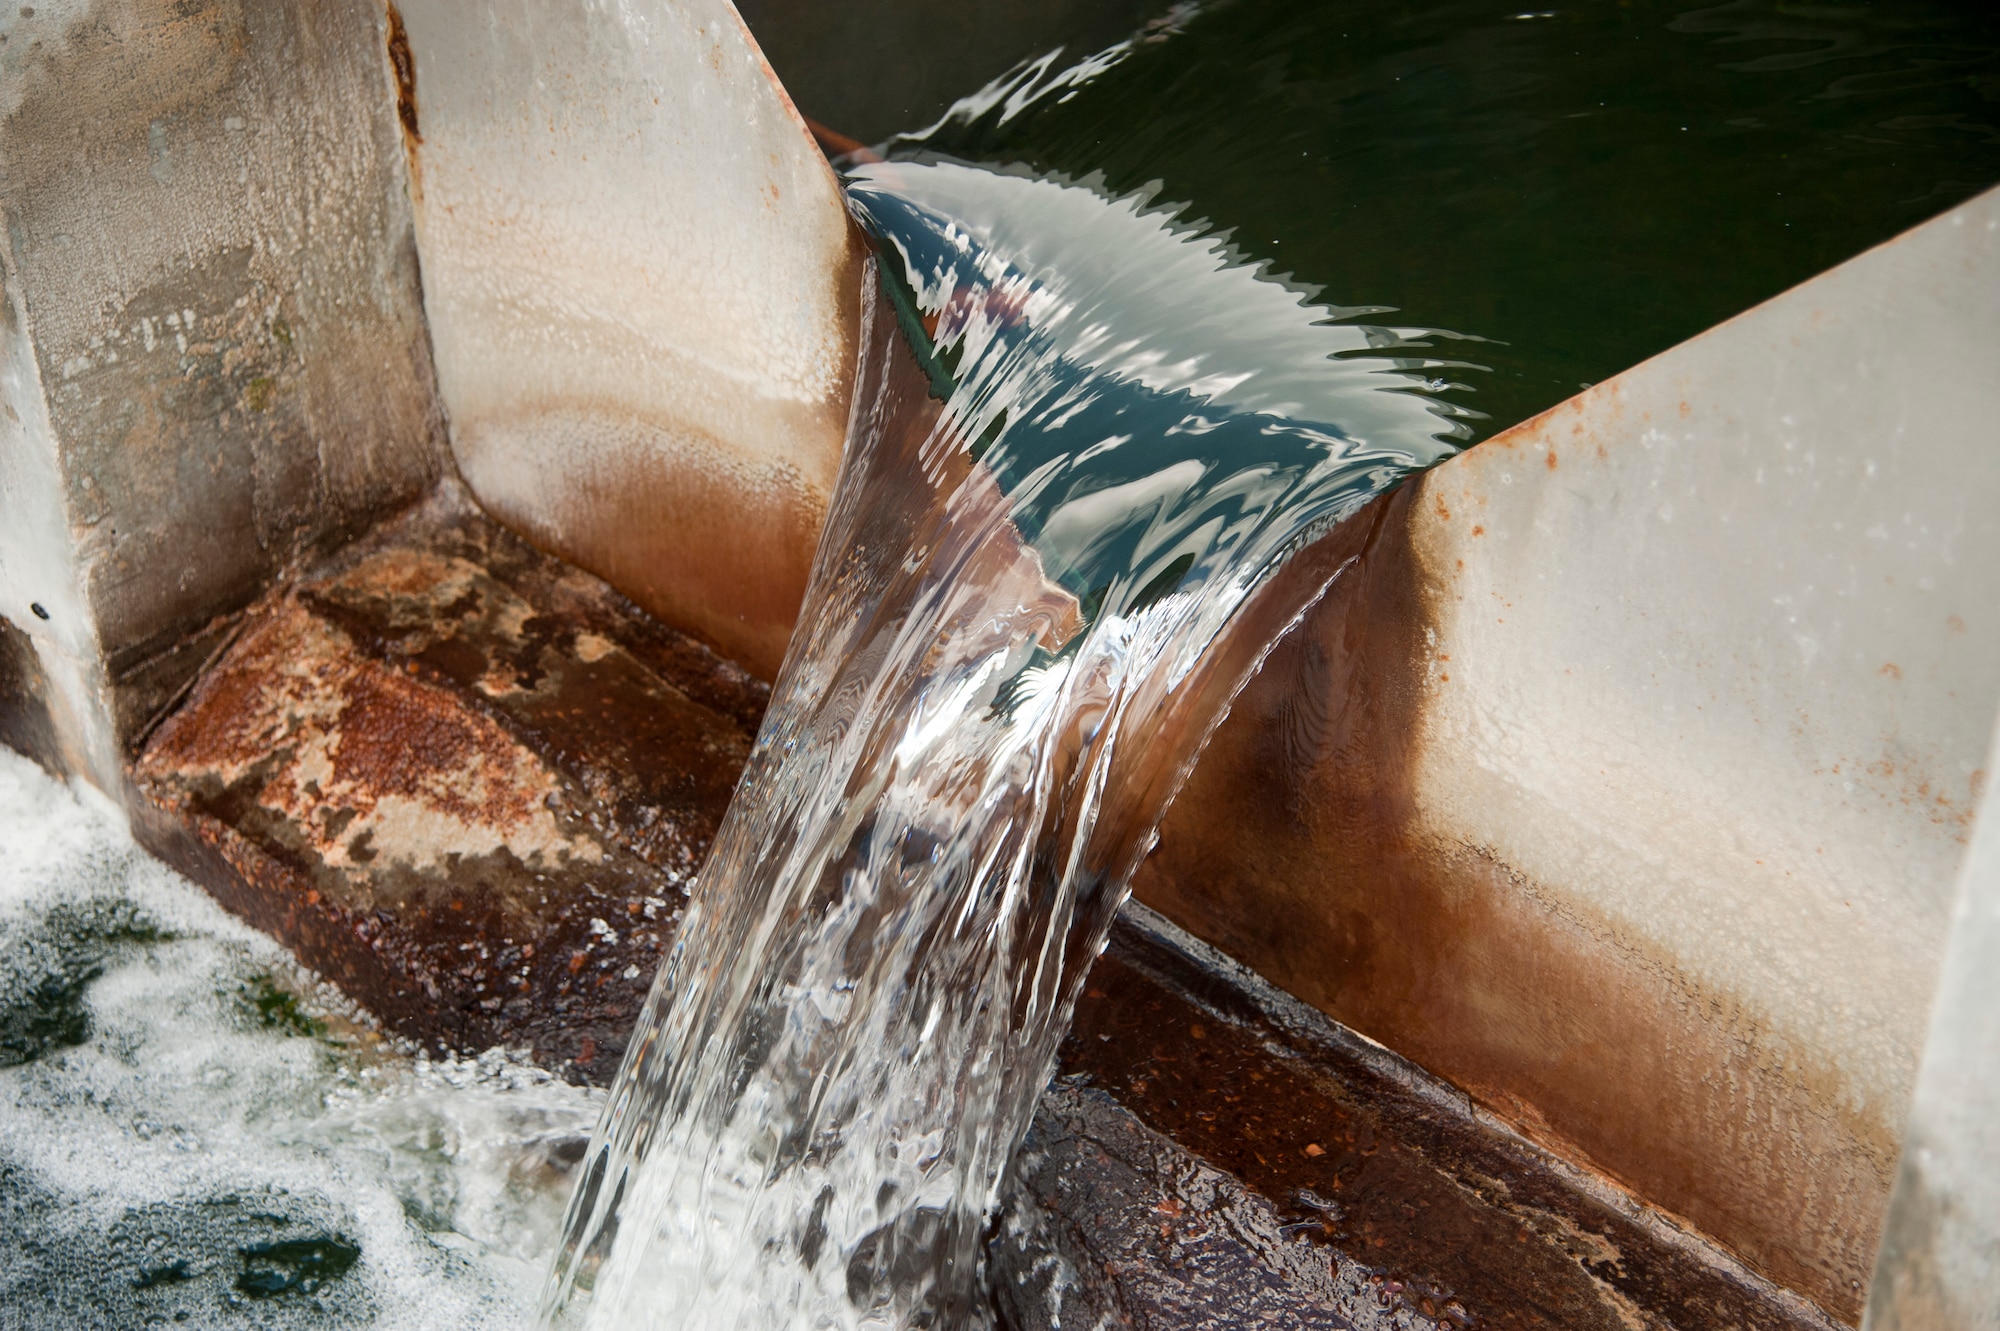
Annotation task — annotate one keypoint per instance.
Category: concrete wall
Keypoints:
(215, 361)
(643, 290)
(1625, 780)
(1940, 1259)
(216, 352)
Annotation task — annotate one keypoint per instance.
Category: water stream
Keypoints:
(1086, 434)
(1088, 430)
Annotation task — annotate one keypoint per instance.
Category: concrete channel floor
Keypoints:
(471, 784)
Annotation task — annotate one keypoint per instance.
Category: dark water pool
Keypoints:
(1583, 185)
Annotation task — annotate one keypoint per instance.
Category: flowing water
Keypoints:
(1032, 605)
(1086, 435)
(1098, 407)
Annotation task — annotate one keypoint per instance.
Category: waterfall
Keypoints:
(1086, 435)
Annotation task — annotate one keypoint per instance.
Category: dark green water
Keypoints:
(1583, 189)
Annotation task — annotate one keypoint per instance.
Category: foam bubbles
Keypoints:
(195, 1132)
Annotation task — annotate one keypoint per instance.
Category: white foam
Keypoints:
(187, 1126)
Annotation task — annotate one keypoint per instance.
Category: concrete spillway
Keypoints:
(1627, 790)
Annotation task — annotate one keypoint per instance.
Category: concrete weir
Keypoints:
(469, 395)
(208, 252)
(1625, 779)
(645, 369)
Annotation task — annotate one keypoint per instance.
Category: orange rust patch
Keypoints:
(404, 66)
(346, 778)
(363, 760)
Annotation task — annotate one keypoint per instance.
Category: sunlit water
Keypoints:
(194, 1133)
(1017, 634)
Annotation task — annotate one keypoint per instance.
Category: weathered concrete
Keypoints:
(1940, 1259)
(1109, 1224)
(26, 723)
(208, 248)
(1623, 781)
(462, 780)
(1246, 1154)
(643, 289)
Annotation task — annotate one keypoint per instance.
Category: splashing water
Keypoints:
(194, 1132)
(1086, 435)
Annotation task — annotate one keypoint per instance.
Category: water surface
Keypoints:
(1585, 185)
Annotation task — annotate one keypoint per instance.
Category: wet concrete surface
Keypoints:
(25, 722)
(1395, 1183)
(471, 785)
(462, 780)
(1112, 1224)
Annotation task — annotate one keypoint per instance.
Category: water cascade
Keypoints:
(1085, 437)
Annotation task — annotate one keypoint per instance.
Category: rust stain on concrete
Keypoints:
(369, 764)
(403, 64)
(467, 783)
(1295, 847)
(1369, 1167)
